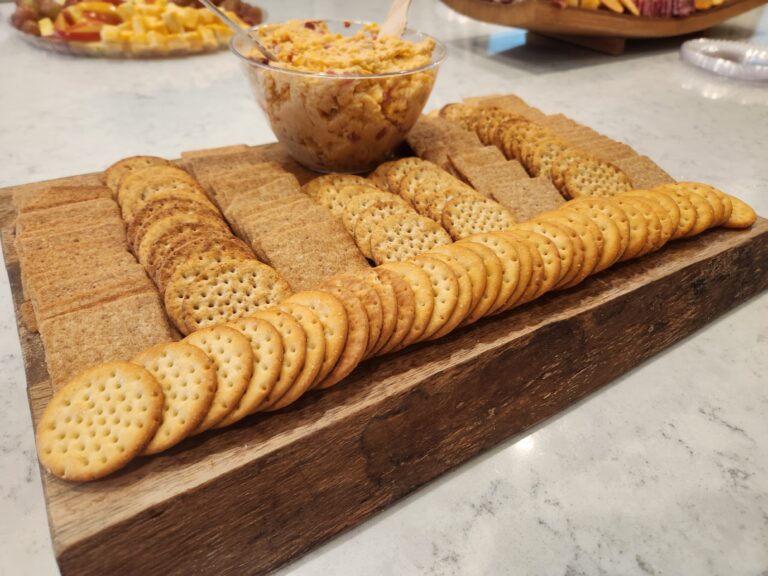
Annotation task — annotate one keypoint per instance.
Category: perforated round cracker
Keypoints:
(666, 211)
(593, 177)
(160, 227)
(436, 190)
(518, 134)
(388, 301)
(315, 187)
(507, 254)
(417, 178)
(230, 290)
(188, 379)
(544, 155)
(267, 351)
(357, 336)
(638, 228)
(464, 300)
(359, 203)
(742, 214)
(139, 186)
(686, 210)
(313, 360)
(119, 169)
(370, 218)
(232, 358)
(717, 200)
(370, 299)
(705, 215)
(494, 273)
(424, 300)
(564, 159)
(406, 309)
(545, 263)
(333, 318)
(404, 236)
(563, 244)
(157, 209)
(468, 215)
(587, 233)
(379, 176)
(178, 235)
(473, 266)
(398, 170)
(294, 341)
(445, 291)
(597, 209)
(652, 221)
(99, 421)
(458, 113)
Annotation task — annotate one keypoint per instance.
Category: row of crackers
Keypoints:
(108, 415)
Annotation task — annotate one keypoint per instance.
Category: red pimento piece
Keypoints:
(347, 23)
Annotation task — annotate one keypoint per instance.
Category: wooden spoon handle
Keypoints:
(394, 24)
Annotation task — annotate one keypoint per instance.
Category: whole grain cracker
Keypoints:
(267, 352)
(233, 360)
(467, 215)
(97, 423)
(403, 236)
(188, 379)
(424, 300)
(179, 234)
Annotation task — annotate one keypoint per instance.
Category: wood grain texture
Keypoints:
(541, 16)
(251, 497)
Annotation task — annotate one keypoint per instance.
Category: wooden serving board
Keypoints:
(249, 498)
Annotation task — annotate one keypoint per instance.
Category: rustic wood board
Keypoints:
(249, 498)
(542, 16)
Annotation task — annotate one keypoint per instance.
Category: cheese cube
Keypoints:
(209, 38)
(46, 27)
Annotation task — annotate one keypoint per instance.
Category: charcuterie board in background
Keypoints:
(256, 495)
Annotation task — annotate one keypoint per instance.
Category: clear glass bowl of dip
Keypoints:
(339, 122)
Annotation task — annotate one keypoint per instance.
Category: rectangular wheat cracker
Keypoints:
(528, 197)
(643, 172)
(67, 217)
(58, 195)
(489, 179)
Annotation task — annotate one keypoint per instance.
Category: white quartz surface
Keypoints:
(663, 472)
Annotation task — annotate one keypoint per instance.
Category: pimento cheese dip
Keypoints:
(319, 102)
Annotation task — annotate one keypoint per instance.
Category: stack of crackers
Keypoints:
(90, 300)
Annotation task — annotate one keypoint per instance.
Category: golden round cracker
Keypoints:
(458, 113)
(357, 336)
(638, 228)
(593, 177)
(424, 300)
(370, 218)
(360, 202)
(313, 360)
(742, 214)
(597, 209)
(317, 186)
(518, 134)
(704, 214)
(494, 273)
(178, 235)
(333, 319)
(336, 196)
(99, 421)
(588, 235)
(468, 215)
(687, 211)
(716, 199)
(507, 254)
(564, 159)
(473, 266)
(417, 178)
(562, 242)
(159, 208)
(267, 352)
(400, 168)
(544, 265)
(666, 211)
(188, 379)
(436, 190)
(230, 290)
(379, 176)
(370, 299)
(445, 291)
(403, 236)
(233, 360)
(406, 309)
(115, 173)
(137, 187)
(464, 301)
(158, 228)
(543, 156)
(388, 301)
(653, 223)
(294, 342)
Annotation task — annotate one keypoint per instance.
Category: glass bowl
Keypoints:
(339, 122)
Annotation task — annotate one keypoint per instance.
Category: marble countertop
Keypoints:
(665, 471)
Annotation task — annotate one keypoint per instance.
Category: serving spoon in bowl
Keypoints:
(397, 17)
(237, 29)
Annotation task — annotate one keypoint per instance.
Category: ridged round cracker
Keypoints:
(494, 273)
(400, 168)
(545, 272)
(294, 341)
(157, 209)
(445, 291)
(99, 421)
(388, 301)
(507, 254)
(139, 186)
(119, 169)
(468, 215)
(370, 218)
(406, 309)
(267, 352)
(360, 202)
(742, 214)
(232, 358)
(313, 359)
(333, 318)
(589, 237)
(370, 299)
(400, 237)
(230, 290)
(463, 303)
(563, 243)
(473, 266)
(594, 207)
(424, 300)
(652, 221)
(188, 379)
(593, 177)
(357, 336)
